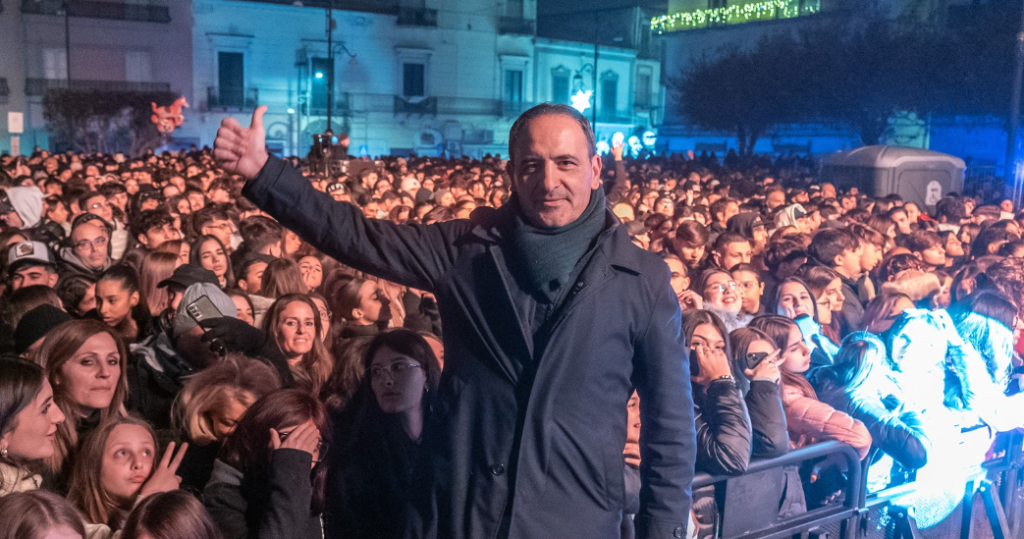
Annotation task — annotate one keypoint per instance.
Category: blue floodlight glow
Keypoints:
(319, 74)
(291, 110)
(603, 148)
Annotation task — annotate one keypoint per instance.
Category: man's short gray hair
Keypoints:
(542, 110)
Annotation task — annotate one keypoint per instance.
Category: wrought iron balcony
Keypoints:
(122, 11)
(517, 26)
(232, 98)
(408, 16)
(37, 87)
(426, 106)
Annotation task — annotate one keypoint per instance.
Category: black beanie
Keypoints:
(36, 324)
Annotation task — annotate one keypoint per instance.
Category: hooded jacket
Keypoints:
(73, 264)
(28, 203)
(743, 224)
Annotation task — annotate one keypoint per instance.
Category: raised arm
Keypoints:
(412, 255)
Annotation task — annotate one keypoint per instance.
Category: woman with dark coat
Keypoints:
(371, 473)
(760, 386)
(721, 418)
(269, 480)
(857, 385)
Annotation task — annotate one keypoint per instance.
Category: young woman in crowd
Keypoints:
(86, 364)
(28, 424)
(243, 304)
(120, 304)
(720, 413)
(371, 473)
(858, 383)
(880, 314)
(175, 514)
(689, 244)
(177, 247)
(312, 272)
(269, 480)
(325, 317)
(118, 465)
(827, 287)
(282, 277)
(809, 420)
(38, 514)
(156, 266)
(721, 296)
(210, 405)
(293, 324)
(208, 252)
(760, 385)
(794, 300)
(363, 309)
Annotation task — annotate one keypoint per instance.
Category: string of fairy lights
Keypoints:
(734, 14)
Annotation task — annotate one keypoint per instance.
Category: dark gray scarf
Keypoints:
(541, 256)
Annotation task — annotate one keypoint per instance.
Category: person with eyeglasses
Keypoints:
(721, 296)
(95, 203)
(88, 248)
(269, 479)
(370, 476)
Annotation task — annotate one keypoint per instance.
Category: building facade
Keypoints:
(136, 45)
(439, 78)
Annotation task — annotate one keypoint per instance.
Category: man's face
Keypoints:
(731, 210)
(220, 229)
(849, 203)
(99, 206)
(196, 201)
(913, 212)
(870, 256)
(750, 290)
(33, 275)
(902, 221)
(552, 171)
(679, 280)
(776, 199)
(157, 235)
(12, 219)
(828, 190)
(89, 243)
(734, 253)
(934, 255)
(760, 236)
(849, 263)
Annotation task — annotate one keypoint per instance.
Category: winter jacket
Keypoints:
(15, 479)
(852, 315)
(723, 429)
(527, 436)
(279, 510)
(900, 435)
(767, 420)
(811, 421)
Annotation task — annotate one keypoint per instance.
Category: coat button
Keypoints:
(497, 469)
(678, 532)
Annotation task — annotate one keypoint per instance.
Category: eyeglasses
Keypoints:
(395, 370)
(721, 288)
(748, 285)
(98, 243)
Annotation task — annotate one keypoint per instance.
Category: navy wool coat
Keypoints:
(526, 442)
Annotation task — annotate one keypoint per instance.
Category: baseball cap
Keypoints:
(187, 275)
(26, 253)
(336, 186)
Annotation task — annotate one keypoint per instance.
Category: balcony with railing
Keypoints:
(38, 87)
(516, 26)
(408, 16)
(232, 98)
(150, 11)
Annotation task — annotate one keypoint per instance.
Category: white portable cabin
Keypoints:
(916, 175)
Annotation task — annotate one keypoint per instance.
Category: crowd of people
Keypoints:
(179, 364)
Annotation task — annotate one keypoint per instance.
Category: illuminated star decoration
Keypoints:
(581, 101)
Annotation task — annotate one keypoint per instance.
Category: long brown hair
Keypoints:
(156, 266)
(282, 277)
(248, 448)
(170, 515)
(316, 365)
(778, 328)
(20, 383)
(60, 346)
(35, 513)
(86, 491)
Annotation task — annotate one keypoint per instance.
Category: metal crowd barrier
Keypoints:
(748, 504)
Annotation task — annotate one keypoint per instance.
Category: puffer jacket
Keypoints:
(723, 429)
(899, 435)
(811, 421)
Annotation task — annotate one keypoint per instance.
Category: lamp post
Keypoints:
(330, 62)
(67, 42)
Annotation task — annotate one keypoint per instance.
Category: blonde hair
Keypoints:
(86, 491)
(234, 378)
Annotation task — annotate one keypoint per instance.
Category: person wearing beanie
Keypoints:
(161, 362)
(35, 325)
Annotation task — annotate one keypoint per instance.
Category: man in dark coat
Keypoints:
(551, 318)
